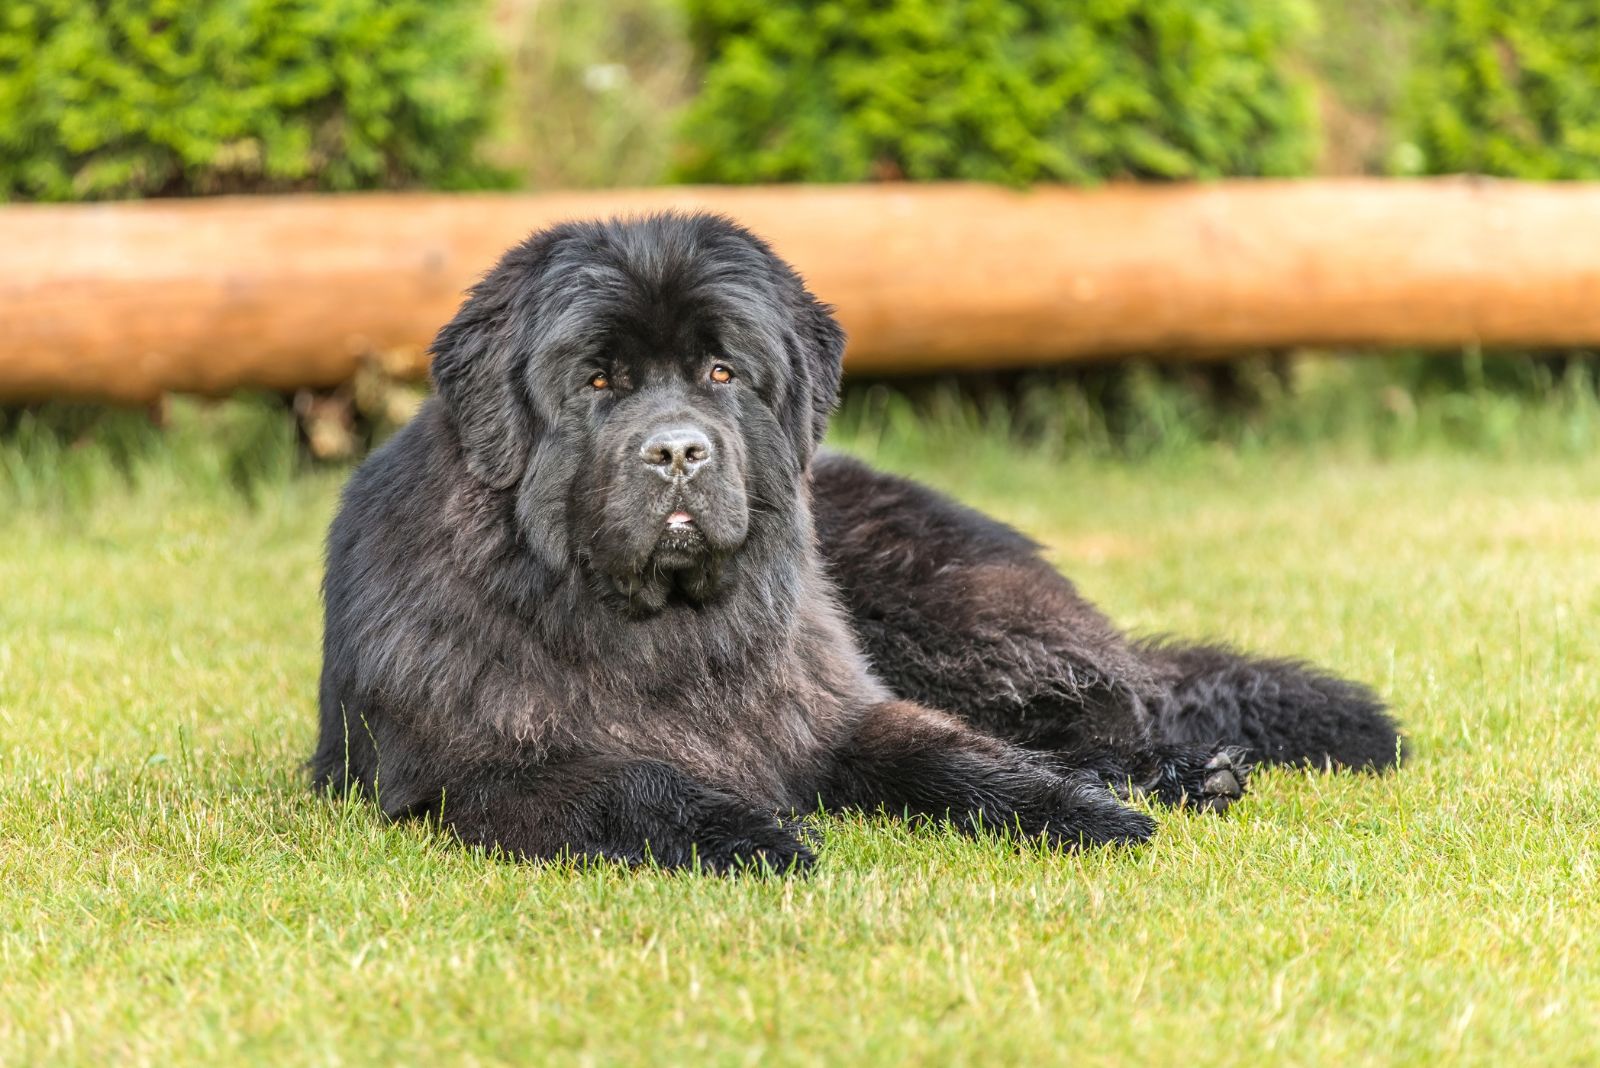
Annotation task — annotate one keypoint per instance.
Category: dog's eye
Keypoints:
(721, 373)
(600, 381)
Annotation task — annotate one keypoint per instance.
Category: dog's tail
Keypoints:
(1280, 711)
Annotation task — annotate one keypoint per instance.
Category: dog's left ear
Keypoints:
(473, 372)
(824, 339)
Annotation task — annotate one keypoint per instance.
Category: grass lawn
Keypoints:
(170, 892)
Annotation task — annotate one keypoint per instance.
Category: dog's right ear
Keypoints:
(474, 372)
(825, 339)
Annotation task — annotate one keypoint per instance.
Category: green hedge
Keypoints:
(120, 98)
(1505, 87)
(1001, 90)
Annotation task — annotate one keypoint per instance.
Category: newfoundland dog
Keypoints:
(603, 598)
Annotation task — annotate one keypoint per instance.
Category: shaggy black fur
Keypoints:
(961, 612)
(577, 607)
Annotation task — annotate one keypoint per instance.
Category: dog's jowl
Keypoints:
(603, 597)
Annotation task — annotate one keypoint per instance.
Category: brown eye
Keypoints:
(600, 381)
(721, 374)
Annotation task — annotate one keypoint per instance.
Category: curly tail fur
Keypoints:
(1279, 711)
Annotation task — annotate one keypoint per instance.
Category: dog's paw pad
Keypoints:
(1225, 777)
(1224, 782)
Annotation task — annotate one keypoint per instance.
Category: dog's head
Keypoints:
(652, 391)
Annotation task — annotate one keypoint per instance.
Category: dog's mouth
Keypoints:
(681, 542)
(683, 563)
(669, 543)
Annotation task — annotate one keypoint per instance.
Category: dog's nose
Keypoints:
(679, 451)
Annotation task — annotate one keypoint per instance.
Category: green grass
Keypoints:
(170, 892)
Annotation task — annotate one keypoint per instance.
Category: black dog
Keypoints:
(577, 606)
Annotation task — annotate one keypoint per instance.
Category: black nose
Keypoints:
(679, 451)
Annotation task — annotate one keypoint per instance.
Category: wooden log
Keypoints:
(125, 301)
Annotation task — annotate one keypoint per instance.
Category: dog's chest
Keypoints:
(760, 745)
(754, 718)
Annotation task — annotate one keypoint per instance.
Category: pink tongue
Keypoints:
(679, 519)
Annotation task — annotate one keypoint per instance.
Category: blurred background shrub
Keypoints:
(119, 98)
(1359, 55)
(1505, 87)
(595, 91)
(1019, 91)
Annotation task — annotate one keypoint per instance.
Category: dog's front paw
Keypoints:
(754, 842)
(1080, 811)
(1096, 817)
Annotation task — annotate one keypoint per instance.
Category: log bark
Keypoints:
(126, 301)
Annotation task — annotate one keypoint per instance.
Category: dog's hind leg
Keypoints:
(959, 612)
(1278, 711)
